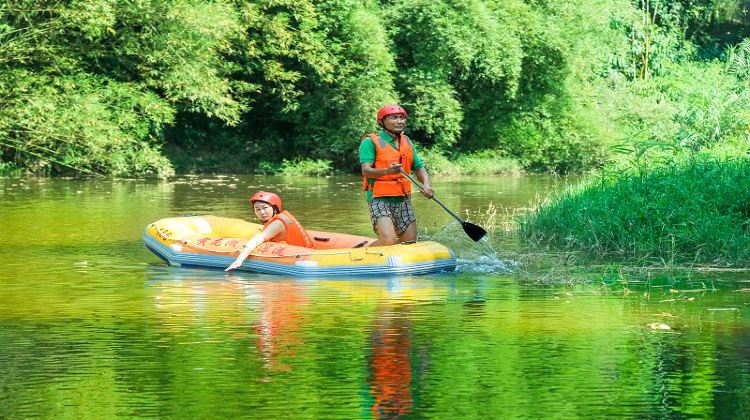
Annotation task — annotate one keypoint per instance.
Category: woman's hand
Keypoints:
(234, 265)
(247, 249)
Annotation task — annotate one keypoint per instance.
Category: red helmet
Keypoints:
(390, 110)
(267, 197)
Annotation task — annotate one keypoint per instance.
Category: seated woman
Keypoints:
(278, 226)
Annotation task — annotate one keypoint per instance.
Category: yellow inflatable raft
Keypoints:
(211, 241)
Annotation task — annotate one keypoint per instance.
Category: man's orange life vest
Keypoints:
(392, 184)
(295, 234)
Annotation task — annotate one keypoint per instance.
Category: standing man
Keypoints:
(383, 156)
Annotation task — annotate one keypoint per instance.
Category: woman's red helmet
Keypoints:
(267, 197)
(390, 110)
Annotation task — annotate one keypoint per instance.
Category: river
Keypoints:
(92, 325)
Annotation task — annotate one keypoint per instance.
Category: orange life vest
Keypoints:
(295, 234)
(392, 184)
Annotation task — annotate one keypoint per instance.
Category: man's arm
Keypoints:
(424, 178)
(367, 160)
(369, 172)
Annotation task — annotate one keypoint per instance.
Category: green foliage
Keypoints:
(546, 127)
(549, 145)
(558, 85)
(486, 162)
(90, 85)
(711, 25)
(314, 167)
(656, 38)
(437, 163)
(337, 111)
(9, 169)
(696, 108)
(268, 168)
(322, 70)
(684, 123)
(450, 55)
(83, 123)
(688, 211)
(437, 113)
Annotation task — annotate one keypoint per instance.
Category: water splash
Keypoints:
(473, 257)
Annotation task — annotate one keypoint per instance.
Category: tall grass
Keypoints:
(697, 211)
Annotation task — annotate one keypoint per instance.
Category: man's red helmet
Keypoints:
(267, 197)
(390, 110)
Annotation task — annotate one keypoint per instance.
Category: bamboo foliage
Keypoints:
(102, 86)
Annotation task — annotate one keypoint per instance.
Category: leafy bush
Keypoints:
(488, 162)
(315, 167)
(9, 169)
(83, 123)
(89, 86)
(556, 85)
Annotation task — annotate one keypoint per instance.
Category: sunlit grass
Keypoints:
(697, 212)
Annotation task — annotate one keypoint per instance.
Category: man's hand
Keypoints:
(427, 191)
(394, 168)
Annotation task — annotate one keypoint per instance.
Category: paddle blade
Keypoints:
(475, 232)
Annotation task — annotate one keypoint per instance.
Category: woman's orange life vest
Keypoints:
(295, 234)
(392, 184)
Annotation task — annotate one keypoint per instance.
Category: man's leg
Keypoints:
(410, 234)
(386, 232)
(406, 221)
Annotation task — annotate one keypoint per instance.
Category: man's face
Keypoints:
(394, 123)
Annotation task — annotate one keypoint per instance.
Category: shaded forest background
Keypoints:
(140, 87)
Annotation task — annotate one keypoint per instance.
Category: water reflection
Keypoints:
(282, 320)
(280, 317)
(92, 325)
(389, 363)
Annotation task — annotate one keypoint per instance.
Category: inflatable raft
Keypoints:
(211, 241)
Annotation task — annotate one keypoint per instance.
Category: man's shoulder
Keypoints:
(369, 136)
(366, 142)
(366, 150)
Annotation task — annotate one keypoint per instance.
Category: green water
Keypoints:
(92, 325)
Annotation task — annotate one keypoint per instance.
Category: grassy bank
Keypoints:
(485, 163)
(697, 212)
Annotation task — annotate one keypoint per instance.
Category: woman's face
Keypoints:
(263, 210)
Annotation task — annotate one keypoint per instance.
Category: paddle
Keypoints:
(475, 232)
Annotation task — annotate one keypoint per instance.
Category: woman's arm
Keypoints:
(270, 232)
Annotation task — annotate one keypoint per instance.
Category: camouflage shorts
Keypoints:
(401, 213)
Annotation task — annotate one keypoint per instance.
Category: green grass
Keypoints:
(695, 212)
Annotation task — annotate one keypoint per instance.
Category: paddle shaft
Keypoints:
(421, 187)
